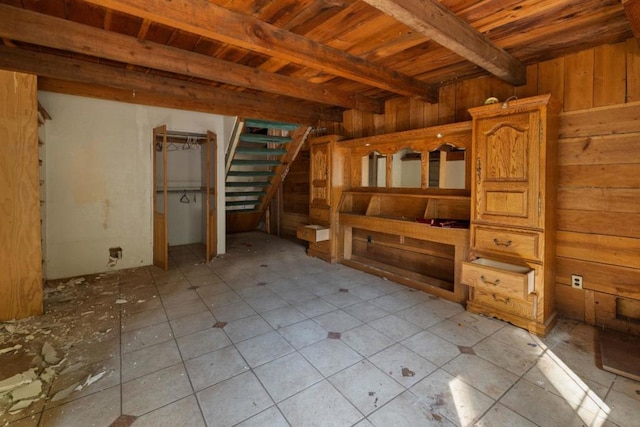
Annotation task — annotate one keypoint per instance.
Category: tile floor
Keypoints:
(266, 336)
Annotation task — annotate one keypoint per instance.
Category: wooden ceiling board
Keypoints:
(85, 13)
(50, 7)
(529, 30)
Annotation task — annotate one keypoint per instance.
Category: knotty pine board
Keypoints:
(20, 245)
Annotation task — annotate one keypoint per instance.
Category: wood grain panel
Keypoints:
(598, 222)
(551, 78)
(633, 71)
(531, 88)
(578, 81)
(570, 302)
(447, 105)
(617, 119)
(619, 176)
(20, 245)
(609, 86)
(598, 277)
(604, 150)
(599, 199)
(621, 251)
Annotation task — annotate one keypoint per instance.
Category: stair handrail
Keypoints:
(233, 144)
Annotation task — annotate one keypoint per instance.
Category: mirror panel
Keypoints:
(374, 170)
(406, 169)
(446, 167)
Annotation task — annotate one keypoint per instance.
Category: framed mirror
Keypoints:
(446, 167)
(406, 169)
(374, 170)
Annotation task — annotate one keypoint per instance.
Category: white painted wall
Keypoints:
(99, 180)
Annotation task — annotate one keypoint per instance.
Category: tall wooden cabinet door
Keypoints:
(507, 152)
(320, 172)
(209, 172)
(160, 225)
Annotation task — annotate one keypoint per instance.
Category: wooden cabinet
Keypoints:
(511, 274)
(391, 235)
(512, 220)
(325, 186)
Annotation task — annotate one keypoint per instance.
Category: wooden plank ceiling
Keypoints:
(293, 60)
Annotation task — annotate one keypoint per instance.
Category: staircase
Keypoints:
(257, 162)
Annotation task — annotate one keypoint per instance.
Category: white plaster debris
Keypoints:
(17, 380)
(121, 301)
(49, 354)
(90, 380)
(64, 393)
(10, 349)
(22, 404)
(48, 375)
(27, 391)
(72, 368)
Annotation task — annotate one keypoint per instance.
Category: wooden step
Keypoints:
(231, 209)
(253, 202)
(261, 138)
(261, 151)
(247, 183)
(262, 124)
(251, 173)
(244, 193)
(240, 162)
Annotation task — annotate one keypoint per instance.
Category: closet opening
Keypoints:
(184, 199)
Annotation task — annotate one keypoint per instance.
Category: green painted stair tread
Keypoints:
(261, 138)
(242, 162)
(251, 173)
(261, 151)
(244, 193)
(231, 209)
(262, 124)
(242, 203)
(247, 183)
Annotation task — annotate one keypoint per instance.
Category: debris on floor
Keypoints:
(41, 355)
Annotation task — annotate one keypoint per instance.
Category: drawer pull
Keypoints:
(484, 280)
(499, 243)
(505, 300)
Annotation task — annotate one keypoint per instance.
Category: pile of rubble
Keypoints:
(37, 350)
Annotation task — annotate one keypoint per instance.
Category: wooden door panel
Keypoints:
(209, 173)
(160, 226)
(507, 170)
(320, 186)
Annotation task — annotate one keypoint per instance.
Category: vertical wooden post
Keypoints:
(20, 245)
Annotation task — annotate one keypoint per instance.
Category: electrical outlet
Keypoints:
(576, 281)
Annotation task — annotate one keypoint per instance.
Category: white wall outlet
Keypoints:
(576, 281)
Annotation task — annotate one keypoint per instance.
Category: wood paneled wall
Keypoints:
(598, 205)
(295, 195)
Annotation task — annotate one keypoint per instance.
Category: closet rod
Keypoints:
(182, 190)
(183, 135)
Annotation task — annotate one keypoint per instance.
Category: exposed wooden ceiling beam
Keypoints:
(44, 30)
(219, 101)
(435, 21)
(632, 9)
(217, 23)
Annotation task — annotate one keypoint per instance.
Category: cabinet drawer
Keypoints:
(504, 304)
(521, 244)
(320, 248)
(313, 233)
(512, 281)
(320, 215)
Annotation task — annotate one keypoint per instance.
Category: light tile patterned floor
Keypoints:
(266, 336)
